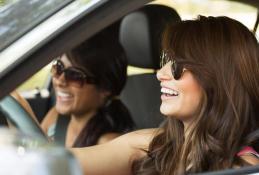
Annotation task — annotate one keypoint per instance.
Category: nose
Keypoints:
(164, 73)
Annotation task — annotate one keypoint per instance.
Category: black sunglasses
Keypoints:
(177, 69)
(73, 75)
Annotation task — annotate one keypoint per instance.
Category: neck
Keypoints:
(79, 121)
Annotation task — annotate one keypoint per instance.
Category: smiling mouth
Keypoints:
(63, 96)
(169, 92)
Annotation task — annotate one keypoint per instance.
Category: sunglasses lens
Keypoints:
(57, 68)
(177, 70)
(74, 77)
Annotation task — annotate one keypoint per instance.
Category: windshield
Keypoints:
(46, 18)
(17, 17)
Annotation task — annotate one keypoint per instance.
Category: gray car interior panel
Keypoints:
(140, 35)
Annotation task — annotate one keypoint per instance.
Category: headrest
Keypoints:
(140, 34)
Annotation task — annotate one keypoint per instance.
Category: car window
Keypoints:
(30, 14)
(26, 42)
(38, 81)
(189, 9)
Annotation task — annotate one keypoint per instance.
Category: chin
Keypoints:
(166, 111)
(62, 110)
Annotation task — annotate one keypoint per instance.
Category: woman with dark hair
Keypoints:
(210, 95)
(87, 81)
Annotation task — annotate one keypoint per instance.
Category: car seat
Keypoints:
(140, 34)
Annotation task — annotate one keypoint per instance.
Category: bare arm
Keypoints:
(24, 103)
(107, 137)
(115, 157)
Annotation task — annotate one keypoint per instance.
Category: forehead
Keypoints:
(65, 61)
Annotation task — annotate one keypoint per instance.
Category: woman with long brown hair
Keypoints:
(210, 95)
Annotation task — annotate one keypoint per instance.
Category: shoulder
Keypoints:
(107, 137)
(136, 142)
(139, 138)
(49, 119)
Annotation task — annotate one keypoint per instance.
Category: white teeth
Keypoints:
(169, 91)
(63, 94)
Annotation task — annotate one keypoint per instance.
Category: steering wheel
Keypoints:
(19, 117)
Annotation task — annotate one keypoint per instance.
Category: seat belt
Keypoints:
(61, 129)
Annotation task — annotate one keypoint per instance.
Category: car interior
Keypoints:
(140, 32)
(139, 35)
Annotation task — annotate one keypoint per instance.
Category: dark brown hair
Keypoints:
(223, 56)
(103, 56)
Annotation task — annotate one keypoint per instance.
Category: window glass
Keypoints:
(19, 16)
(27, 36)
(38, 81)
(189, 9)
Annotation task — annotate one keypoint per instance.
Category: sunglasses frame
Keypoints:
(58, 69)
(176, 69)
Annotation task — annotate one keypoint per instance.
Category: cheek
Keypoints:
(192, 101)
(192, 90)
(87, 98)
(187, 104)
(192, 94)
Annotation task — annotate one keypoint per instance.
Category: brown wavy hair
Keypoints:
(223, 56)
